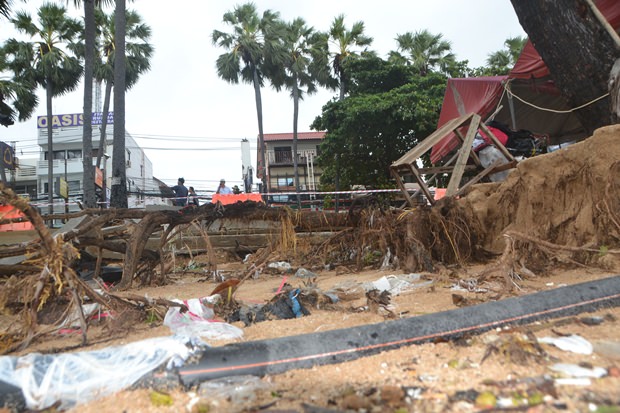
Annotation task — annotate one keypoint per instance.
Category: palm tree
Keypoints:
(88, 180)
(18, 99)
(139, 53)
(5, 8)
(48, 61)
(502, 61)
(424, 51)
(344, 41)
(301, 66)
(252, 40)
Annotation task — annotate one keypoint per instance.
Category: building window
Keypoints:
(285, 181)
(283, 154)
(57, 155)
(60, 155)
(74, 154)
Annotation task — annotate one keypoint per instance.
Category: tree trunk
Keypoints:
(88, 179)
(50, 147)
(118, 197)
(104, 123)
(261, 135)
(295, 120)
(578, 51)
(614, 92)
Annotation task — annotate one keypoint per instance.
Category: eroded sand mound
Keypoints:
(570, 197)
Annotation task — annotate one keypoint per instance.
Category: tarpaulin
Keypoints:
(529, 82)
(233, 199)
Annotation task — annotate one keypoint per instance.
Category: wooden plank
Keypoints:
(434, 138)
(477, 178)
(444, 169)
(464, 154)
(474, 155)
(401, 185)
(423, 186)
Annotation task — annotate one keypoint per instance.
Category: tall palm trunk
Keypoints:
(295, 120)
(104, 122)
(261, 135)
(118, 198)
(337, 177)
(50, 146)
(88, 179)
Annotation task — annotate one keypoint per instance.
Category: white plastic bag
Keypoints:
(74, 378)
(197, 321)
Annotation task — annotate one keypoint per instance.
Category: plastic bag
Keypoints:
(197, 321)
(74, 378)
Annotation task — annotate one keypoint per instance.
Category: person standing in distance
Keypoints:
(192, 197)
(180, 193)
(223, 189)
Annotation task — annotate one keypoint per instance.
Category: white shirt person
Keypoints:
(223, 189)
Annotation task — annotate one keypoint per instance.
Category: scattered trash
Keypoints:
(304, 273)
(198, 321)
(281, 266)
(236, 389)
(573, 381)
(573, 343)
(573, 370)
(396, 284)
(285, 305)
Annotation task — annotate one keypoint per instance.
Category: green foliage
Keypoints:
(390, 109)
(328, 202)
(502, 61)
(138, 49)
(424, 51)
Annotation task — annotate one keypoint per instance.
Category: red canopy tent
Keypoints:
(524, 99)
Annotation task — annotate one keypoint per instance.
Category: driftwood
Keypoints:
(126, 231)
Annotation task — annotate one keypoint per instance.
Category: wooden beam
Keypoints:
(464, 154)
(434, 138)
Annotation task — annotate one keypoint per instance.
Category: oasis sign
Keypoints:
(72, 120)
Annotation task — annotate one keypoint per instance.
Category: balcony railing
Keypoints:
(285, 157)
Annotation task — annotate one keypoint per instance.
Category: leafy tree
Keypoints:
(303, 66)
(424, 51)
(48, 61)
(390, 109)
(250, 43)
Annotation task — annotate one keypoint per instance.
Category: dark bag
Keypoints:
(520, 143)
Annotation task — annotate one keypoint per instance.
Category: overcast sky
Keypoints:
(182, 103)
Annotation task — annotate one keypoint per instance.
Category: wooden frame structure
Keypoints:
(407, 164)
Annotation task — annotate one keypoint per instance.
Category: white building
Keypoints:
(31, 178)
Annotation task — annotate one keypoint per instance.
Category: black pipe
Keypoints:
(275, 356)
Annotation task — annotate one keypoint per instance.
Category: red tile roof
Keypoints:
(271, 137)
